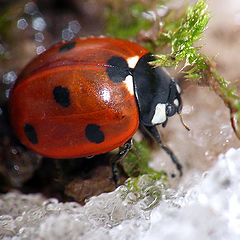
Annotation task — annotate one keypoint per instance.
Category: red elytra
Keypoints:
(73, 100)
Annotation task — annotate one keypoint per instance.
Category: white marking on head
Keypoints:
(129, 84)
(132, 61)
(176, 102)
(160, 114)
(178, 88)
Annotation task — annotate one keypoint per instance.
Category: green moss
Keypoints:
(229, 94)
(144, 182)
(181, 36)
(136, 161)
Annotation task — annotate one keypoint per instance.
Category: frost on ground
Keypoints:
(209, 209)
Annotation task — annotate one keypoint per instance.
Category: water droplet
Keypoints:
(39, 24)
(52, 205)
(74, 26)
(50, 201)
(39, 37)
(31, 8)
(19, 218)
(14, 151)
(22, 24)
(9, 77)
(161, 24)
(16, 167)
(40, 49)
(67, 34)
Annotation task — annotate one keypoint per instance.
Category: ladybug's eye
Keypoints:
(170, 110)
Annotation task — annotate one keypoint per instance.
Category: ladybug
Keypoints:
(88, 96)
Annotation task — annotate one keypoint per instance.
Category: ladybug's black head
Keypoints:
(157, 94)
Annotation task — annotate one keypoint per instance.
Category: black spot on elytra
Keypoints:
(94, 134)
(117, 69)
(61, 96)
(30, 133)
(66, 47)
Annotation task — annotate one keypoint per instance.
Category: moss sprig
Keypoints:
(182, 38)
(197, 66)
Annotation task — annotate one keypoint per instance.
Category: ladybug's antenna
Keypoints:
(181, 119)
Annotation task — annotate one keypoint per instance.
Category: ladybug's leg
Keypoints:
(152, 130)
(114, 162)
